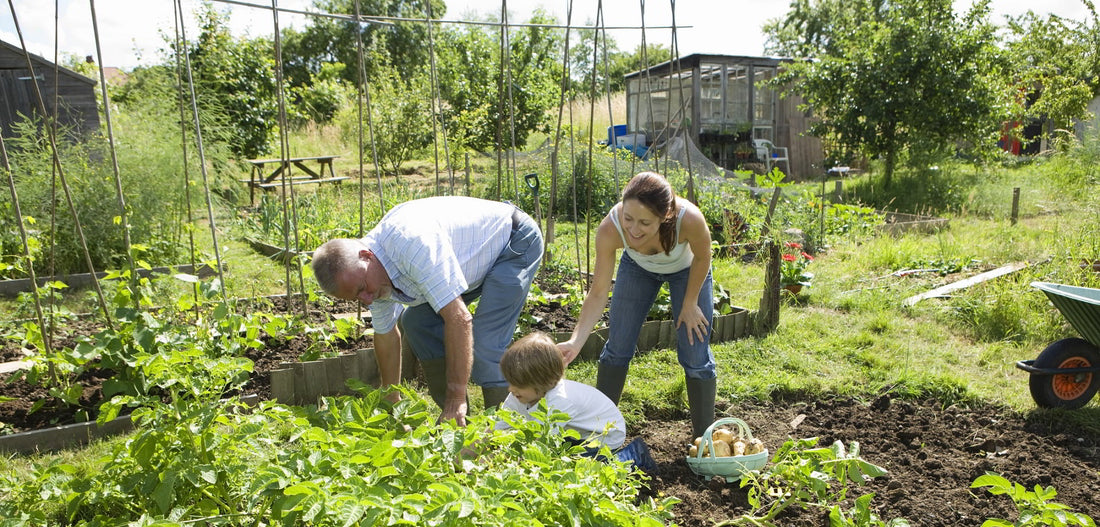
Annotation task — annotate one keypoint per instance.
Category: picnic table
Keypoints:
(262, 179)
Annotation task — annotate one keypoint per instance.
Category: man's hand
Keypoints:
(454, 410)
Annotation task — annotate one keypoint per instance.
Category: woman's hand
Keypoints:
(692, 318)
(569, 350)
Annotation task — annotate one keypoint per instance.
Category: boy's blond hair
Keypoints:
(533, 361)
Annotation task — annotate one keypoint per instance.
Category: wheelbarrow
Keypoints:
(1067, 373)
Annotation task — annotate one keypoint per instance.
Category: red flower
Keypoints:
(793, 265)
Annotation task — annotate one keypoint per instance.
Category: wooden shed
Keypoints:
(68, 95)
(722, 104)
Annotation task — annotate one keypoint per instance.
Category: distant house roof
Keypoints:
(114, 76)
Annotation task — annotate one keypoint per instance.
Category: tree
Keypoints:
(895, 79)
(472, 81)
(610, 73)
(584, 63)
(401, 116)
(640, 59)
(238, 77)
(1055, 67)
(320, 99)
(400, 39)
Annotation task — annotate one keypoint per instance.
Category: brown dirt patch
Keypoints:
(932, 454)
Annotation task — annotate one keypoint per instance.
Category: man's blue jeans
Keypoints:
(633, 295)
(502, 295)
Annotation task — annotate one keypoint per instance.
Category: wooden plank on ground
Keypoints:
(963, 284)
(15, 365)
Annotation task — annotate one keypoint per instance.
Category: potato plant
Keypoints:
(801, 474)
(347, 461)
(1035, 507)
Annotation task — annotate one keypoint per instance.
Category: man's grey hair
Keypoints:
(332, 258)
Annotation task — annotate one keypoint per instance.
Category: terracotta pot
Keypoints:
(793, 288)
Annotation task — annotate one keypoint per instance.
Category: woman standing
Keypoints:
(664, 239)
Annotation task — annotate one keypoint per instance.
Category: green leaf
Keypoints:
(997, 483)
(316, 508)
(861, 470)
(164, 493)
(143, 448)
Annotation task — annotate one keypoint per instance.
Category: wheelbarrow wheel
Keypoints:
(1071, 390)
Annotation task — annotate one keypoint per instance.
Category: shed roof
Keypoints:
(13, 57)
(695, 59)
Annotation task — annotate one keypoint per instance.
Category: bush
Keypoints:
(151, 165)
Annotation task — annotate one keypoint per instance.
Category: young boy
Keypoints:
(534, 369)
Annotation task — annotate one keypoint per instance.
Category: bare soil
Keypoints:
(932, 453)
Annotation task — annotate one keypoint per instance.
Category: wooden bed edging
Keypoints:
(77, 434)
(304, 382)
(21, 285)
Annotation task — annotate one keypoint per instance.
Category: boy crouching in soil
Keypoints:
(535, 369)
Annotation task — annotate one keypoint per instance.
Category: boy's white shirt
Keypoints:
(589, 411)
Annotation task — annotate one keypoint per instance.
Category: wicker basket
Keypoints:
(729, 467)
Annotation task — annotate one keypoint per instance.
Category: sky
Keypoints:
(131, 32)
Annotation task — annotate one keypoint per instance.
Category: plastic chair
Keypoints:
(772, 155)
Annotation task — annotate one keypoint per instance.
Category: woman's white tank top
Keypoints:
(676, 260)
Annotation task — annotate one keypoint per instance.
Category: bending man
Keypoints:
(419, 268)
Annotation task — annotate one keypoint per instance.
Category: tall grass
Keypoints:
(589, 118)
(152, 170)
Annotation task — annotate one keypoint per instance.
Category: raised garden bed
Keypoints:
(304, 382)
(900, 223)
(280, 374)
(274, 252)
(10, 288)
